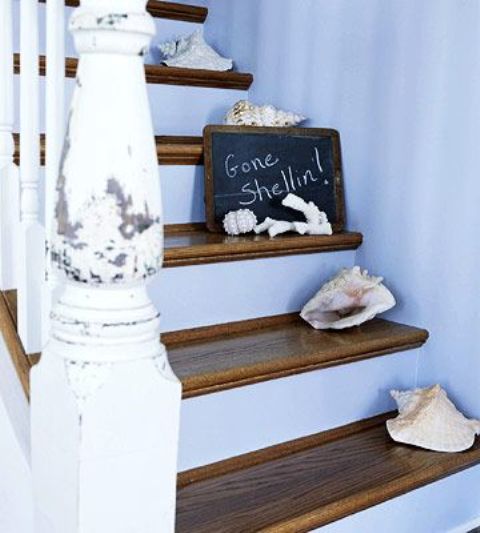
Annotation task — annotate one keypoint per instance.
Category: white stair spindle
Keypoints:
(105, 403)
(9, 201)
(55, 131)
(31, 261)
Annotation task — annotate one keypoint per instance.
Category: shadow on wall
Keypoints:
(400, 80)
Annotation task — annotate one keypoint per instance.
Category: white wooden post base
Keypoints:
(105, 418)
(105, 403)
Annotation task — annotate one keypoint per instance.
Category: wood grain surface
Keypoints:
(167, 75)
(236, 355)
(194, 244)
(305, 484)
(225, 356)
(171, 150)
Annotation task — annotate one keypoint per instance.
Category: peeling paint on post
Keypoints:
(108, 242)
(105, 403)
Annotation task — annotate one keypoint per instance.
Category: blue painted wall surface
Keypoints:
(400, 80)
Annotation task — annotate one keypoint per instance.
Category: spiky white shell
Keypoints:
(244, 113)
(428, 419)
(193, 52)
(239, 222)
(349, 299)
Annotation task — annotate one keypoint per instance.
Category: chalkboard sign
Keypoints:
(255, 168)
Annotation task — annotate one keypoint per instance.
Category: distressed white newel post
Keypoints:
(105, 404)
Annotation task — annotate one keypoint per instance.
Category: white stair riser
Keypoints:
(183, 193)
(236, 421)
(203, 295)
(176, 110)
(182, 110)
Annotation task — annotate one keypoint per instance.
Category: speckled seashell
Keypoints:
(244, 113)
(349, 299)
(193, 52)
(428, 419)
(239, 222)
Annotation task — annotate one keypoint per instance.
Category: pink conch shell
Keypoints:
(349, 299)
(428, 419)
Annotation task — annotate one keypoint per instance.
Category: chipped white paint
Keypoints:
(105, 403)
(108, 225)
(31, 259)
(9, 207)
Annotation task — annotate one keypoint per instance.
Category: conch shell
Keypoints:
(428, 419)
(244, 113)
(193, 52)
(349, 299)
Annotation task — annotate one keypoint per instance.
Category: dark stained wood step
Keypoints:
(221, 357)
(304, 484)
(166, 10)
(159, 74)
(176, 150)
(171, 150)
(193, 244)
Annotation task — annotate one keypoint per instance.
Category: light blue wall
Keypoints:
(400, 80)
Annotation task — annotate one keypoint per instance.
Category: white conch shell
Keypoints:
(349, 299)
(316, 224)
(193, 52)
(244, 113)
(428, 419)
(238, 222)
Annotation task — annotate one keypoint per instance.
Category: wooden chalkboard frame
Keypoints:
(212, 224)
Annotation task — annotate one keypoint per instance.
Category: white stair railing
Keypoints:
(105, 403)
(31, 258)
(55, 134)
(9, 202)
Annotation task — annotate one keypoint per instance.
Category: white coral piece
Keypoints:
(349, 299)
(316, 224)
(245, 113)
(193, 52)
(239, 222)
(428, 419)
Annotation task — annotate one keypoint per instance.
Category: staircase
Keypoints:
(230, 323)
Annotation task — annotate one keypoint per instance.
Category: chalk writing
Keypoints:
(246, 169)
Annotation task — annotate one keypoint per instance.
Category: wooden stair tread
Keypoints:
(192, 244)
(176, 150)
(167, 75)
(166, 10)
(305, 484)
(171, 150)
(223, 356)
(8, 330)
(233, 355)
